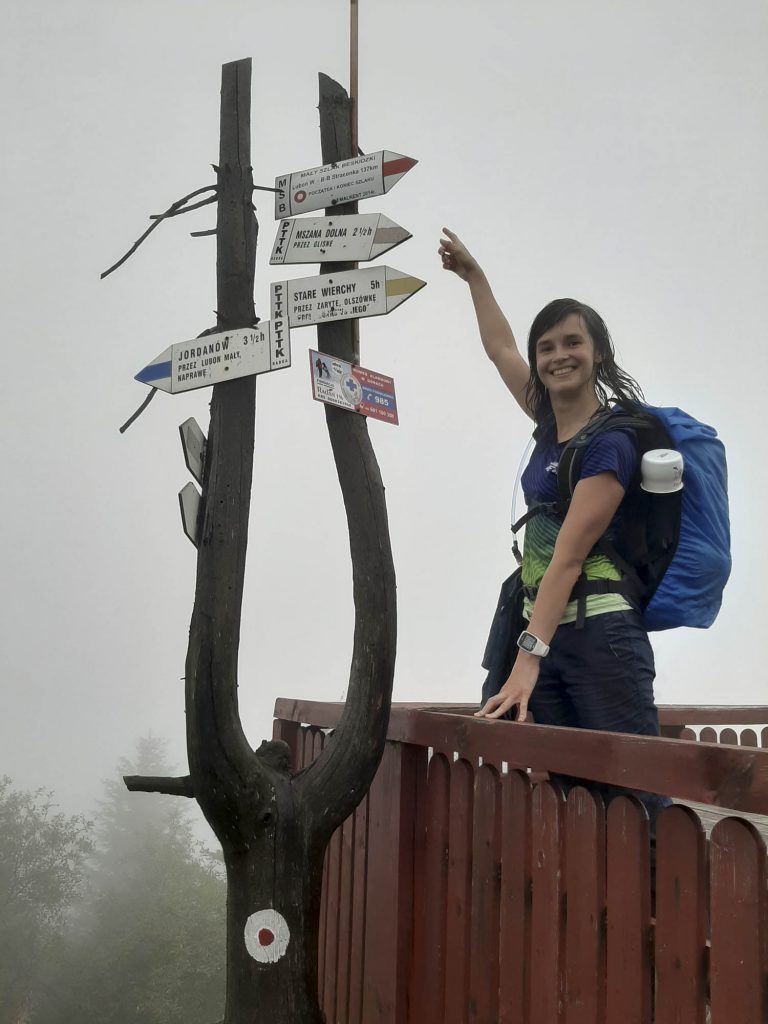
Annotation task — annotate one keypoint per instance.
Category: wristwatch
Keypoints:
(532, 645)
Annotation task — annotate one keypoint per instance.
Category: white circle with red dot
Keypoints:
(266, 936)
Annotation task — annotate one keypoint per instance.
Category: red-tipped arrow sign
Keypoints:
(370, 291)
(355, 238)
(344, 182)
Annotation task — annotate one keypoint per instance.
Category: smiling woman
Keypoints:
(584, 659)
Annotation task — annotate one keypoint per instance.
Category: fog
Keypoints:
(611, 151)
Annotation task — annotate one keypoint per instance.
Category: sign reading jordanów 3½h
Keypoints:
(356, 237)
(344, 182)
(214, 358)
(370, 291)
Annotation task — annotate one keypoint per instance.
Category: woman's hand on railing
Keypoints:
(516, 691)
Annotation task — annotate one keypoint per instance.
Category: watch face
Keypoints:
(527, 642)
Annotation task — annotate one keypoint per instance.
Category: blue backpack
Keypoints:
(673, 549)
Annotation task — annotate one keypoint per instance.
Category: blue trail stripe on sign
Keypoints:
(154, 372)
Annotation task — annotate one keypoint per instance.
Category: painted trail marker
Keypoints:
(356, 238)
(344, 182)
(351, 387)
(219, 357)
(371, 291)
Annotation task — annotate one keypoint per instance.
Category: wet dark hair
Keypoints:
(611, 382)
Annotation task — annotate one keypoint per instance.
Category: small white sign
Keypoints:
(214, 358)
(355, 238)
(189, 503)
(343, 182)
(193, 444)
(371, 291)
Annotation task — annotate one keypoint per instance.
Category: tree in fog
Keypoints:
(41, 859)
(146, 946)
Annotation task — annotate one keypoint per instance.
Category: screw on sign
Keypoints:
(266, 936)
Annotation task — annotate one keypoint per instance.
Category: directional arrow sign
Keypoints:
(344, 182)
(219, 357)
(355, 238)
(193, 443)
(366, 392)
(189, 503)
(371, 291)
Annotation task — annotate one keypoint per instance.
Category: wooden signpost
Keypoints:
(274, 825)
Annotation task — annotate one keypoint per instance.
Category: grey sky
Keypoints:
(613, 151)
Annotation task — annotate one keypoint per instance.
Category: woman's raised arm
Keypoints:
(495, 332)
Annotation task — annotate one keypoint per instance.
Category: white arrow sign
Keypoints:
(189, 503)
(214, 358)
(344, 182)
(371, 291)
(193, 444)
(356, 237)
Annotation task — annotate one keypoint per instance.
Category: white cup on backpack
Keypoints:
(661, 471)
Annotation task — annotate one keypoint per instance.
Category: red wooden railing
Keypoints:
(462, 893)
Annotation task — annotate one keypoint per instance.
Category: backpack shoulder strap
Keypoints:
(569, 466)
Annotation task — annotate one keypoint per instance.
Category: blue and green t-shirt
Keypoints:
(614, 452)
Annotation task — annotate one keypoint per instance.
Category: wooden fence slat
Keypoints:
(687, 734)
(628, 975)
(764, 737)
(389, 894)
(738, 915)
(359, 888)
(344, 945)
(515, 911)
(681, 893)
(290, 733)
(708, 735)
(484, 916)
(748, 738)
(459, 893)
(729, 736)
(547, 904)
(313, 744)
(430, 894)
(585, 882)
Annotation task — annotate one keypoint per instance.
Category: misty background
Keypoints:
(615, 152)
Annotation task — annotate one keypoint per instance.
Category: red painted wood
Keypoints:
(427, 986)
(515, 909)
(728, 777)
(344, 946)
(748, 738)
(389, 896)
(547, 905)
(359, 889)
(486, 883)
(585, 882)
(708, 735)
(738, 967)
(764, 737)
(628, 976)
(729, 736)
(459, 893)
(290, 733)
(687, 734)
(681, 894)
(313, 744)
